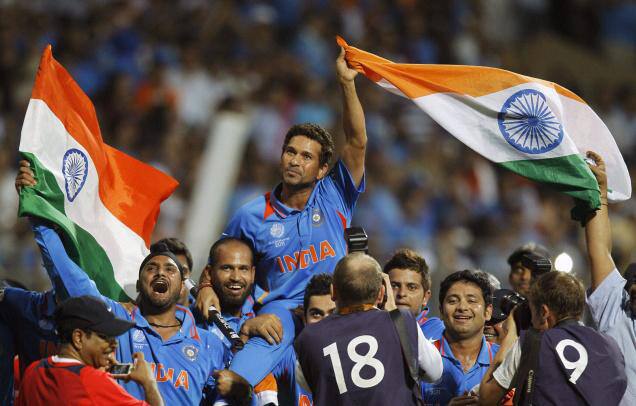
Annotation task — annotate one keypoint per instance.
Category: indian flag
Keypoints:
(105, 202)
(533, 127)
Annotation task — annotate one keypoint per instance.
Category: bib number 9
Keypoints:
(577, 366)
(360, 360)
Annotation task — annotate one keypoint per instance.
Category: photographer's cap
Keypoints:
(89, 313)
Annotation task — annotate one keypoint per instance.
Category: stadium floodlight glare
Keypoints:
(563, 262)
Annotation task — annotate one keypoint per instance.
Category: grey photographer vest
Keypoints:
(569, 364)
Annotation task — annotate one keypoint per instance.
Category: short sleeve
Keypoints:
(506, 371)
(103, 390)
(607, 301)
(238, 226)
(340, 179)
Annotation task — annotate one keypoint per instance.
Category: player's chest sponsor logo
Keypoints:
(304, 258)
(190, 352)
(277, 230)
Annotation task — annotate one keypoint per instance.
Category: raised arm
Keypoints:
(598, 234)
(66, 276)
(352, 121)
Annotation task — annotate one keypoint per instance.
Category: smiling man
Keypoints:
(297, 229)
(411, 284)
(76, 373)
(465, 299)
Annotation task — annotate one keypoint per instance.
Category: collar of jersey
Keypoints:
(486, 353)
(284, 211)
(188, 327)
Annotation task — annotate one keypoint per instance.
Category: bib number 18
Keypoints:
(359, 360)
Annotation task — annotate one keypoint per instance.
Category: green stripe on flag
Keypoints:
(568, 174)
(46, 201)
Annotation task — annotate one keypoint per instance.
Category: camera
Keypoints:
(503, 301)
(120, 369)
(357, 240)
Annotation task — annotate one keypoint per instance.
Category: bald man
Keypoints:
(354, 356)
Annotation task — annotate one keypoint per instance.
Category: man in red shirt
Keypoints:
(76, 375)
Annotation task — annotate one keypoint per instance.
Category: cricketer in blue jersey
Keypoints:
(30, 314)
(465, 299)
(297, 230)
(183, 356)
(411, 284)
(231, 271)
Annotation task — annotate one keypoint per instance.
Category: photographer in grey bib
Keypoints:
(558, 361)
(358, 356)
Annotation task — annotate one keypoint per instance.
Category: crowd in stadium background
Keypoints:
(159, 71)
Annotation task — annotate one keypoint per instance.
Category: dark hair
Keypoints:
(316, 133)
(357, 279)
(176, 246)
(214, 250)
(478, 278)
(319, 285)
(529, 248)
(408, 259)
(561, 292)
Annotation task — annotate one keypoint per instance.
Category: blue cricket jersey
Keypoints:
(6, 364)
(454, 381)
(432, 327)
(29, 316)
(293, 245)
(183, 364)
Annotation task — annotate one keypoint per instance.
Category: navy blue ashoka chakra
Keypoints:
(74, 169)
(528, 124)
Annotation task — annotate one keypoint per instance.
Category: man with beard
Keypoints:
(465, 299)
(296, 230)
(231, 270)
(183, 356)
(181, 251)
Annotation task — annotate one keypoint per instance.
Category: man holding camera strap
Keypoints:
(558, 361)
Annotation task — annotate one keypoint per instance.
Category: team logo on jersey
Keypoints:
(277, 230)
(74, 169)
(190, 351)
(316, 217)
(138, 336)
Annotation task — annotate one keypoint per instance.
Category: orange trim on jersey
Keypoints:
(260, 299)
(343, 219)
(267, 384)
(193, 328)
(269, 210)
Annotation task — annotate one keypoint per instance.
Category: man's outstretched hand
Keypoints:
(345, 74)
(599, 172)
(25, 176)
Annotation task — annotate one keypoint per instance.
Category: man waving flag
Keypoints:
(535, 128)
(105, 202)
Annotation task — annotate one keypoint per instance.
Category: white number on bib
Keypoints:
(359, 360)
(579, 365)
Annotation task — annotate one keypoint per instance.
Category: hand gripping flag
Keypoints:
(535, 128)
(105, 202)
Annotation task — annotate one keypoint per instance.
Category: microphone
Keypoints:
(218, 320)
